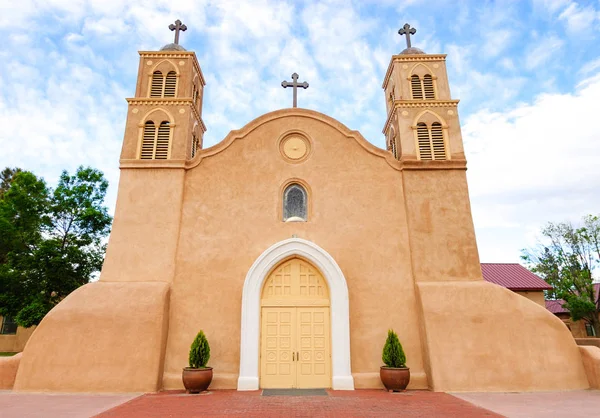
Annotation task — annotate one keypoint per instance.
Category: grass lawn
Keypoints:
(5, 354)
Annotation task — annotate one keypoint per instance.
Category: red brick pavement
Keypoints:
(358, 403)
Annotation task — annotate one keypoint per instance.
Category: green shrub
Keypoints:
(393, 354)
(199, 352)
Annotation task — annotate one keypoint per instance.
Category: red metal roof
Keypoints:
(555, 306)
(513, 276)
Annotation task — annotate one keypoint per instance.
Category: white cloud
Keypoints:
(590, 67)
(535, 163)
(579, 19)
(542, 50)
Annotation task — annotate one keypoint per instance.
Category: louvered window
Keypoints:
(437, 141)
(428, 87)
(417, 89)
(155, 143)
(431, 142)
(392, 146)
(157, 84)
(148, 141)
(424, 142)
(194, 144)
(162, 141)
(170, 84)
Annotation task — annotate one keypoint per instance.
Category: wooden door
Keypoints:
(278, 368)
(295, 328)
(313, 361)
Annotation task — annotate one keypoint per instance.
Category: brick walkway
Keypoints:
(358, 403)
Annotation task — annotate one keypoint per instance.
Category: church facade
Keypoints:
(295, 244)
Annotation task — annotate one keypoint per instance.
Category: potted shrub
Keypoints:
(197, 377)
(394, 375)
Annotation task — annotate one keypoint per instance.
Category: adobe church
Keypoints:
(295, 244)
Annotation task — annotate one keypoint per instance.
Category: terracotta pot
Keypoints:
(196, 380)
(394, 379)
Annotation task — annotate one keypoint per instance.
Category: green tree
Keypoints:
(567, 260)
(6, 177)
(55, 241)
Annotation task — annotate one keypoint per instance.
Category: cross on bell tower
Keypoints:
(407, 30)
(177, 27)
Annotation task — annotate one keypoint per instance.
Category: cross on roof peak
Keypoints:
(177, 27)
(295, 86)
(407, 30)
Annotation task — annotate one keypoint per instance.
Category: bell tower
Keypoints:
(423, 132)
(164, 119)
(422, 122)
(163, 134)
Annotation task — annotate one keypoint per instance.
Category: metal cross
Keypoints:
(177, 27)
(407, 30)
(295, 85)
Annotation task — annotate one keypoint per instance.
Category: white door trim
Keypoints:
(340, 312)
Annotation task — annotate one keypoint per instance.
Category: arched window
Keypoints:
(170, 84)
(416, 87)
(155, 143)
(294, 203)
(428, 87)
(431, 142)
(157, 84)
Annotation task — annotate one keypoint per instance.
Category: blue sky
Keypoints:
(527, 74)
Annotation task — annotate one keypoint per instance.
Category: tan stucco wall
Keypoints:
(577, 328)
(534, 296)
(145, 228)
(8, 370)
(591, 361)
(15, 343)
(231, 214)
(103, 337)
(483, 337)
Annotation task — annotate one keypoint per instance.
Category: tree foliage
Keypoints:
(51, 241)
(567, 260)
(6, 177)
(199, 351)
(393, 354)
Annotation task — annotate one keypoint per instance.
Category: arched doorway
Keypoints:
(295, 328)
(341, 378)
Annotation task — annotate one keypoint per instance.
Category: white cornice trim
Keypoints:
(340, 312)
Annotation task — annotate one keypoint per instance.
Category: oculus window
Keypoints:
(294, 203)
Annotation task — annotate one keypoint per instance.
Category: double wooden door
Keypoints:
(295, 340)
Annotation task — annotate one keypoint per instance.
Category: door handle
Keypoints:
(293, 358)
